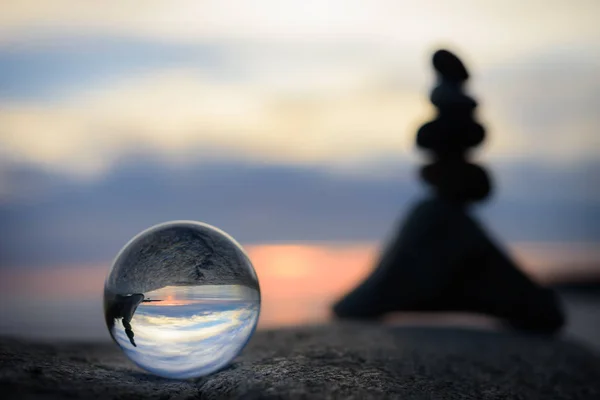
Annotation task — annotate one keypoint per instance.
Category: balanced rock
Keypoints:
(449, 66)
(441, 259)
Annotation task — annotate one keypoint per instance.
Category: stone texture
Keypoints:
(176, 255)
(348, 360)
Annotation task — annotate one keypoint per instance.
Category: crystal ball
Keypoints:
(181, 299)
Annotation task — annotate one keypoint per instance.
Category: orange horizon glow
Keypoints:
(298, 282)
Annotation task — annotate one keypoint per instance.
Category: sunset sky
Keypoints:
(285, 123)
(333, 84)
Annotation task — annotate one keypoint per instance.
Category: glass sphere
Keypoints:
(181, 299)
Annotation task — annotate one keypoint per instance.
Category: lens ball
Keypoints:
(181, 299)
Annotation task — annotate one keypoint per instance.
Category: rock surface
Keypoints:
(178, 254)
(349, 360)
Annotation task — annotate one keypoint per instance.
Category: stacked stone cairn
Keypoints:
(441, 258)
(450, 136)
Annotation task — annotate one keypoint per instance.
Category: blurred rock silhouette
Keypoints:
(441, 259)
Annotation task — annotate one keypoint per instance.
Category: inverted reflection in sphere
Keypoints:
(182, 299)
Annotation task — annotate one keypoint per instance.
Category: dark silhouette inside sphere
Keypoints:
(441, 258)
(181, 255)
(122, 307)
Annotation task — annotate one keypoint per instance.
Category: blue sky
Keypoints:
(277, 122)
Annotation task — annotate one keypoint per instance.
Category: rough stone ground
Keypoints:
(350, 360)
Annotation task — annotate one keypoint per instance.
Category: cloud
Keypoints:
(72, 222)
(544, 105)
(280, 120)
(174, 112)
(190, 340)
(83, 62)
(334, 84)
(486, 27)
(307, 107)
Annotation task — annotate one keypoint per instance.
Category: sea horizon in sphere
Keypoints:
(181, 299)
